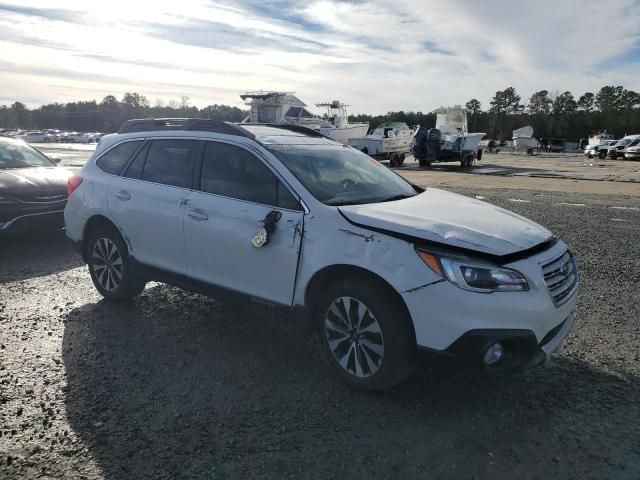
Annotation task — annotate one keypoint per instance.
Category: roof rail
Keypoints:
(293, 128)
(192, 124)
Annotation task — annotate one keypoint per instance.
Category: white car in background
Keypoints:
(632, 153)
(281, 215)
(599, 150)
(76, 137)
(32, 136)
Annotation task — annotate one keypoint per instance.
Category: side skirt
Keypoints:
(154, 274)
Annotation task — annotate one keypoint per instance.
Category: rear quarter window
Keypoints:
(115, 159)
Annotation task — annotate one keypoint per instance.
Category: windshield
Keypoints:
(18, 155)
(338, 175)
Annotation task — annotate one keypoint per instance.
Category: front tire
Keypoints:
(366, 334)
(109, 265)
(602, 155)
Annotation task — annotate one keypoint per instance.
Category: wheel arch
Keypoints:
(91, 224)
(324, 277)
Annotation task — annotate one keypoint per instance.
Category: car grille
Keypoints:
(561, 278)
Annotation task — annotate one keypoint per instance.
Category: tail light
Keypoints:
(73, 183)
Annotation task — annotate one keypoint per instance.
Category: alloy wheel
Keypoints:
(354, 337)
(107, 263)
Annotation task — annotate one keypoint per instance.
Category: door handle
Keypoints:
(123, 195)
(198, 214)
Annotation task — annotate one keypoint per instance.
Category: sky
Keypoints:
(376, 56)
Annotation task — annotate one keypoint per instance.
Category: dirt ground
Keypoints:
(176, 385)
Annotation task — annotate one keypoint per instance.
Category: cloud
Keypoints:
(374, 55)
(220, 36)
(45, 13)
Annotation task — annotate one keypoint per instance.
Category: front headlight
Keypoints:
(474, 275)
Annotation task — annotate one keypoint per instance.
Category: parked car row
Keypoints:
(620, 147)
(53, 136)
(627, 148)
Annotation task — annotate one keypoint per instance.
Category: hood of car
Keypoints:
(36, 184)
(451, 219)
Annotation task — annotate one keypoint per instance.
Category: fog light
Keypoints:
(493, 354)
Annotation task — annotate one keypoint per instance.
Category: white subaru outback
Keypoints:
(285, 216)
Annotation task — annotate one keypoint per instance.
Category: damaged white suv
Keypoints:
(284, 216)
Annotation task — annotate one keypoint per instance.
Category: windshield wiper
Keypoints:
(342, 204)
(402, 196)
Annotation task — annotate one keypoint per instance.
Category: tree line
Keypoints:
(551, 114)
(108, 115)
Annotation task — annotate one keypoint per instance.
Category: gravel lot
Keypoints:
(176, 385)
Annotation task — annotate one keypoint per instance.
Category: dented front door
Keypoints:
(220, 249)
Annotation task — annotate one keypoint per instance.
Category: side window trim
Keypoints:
(260, 158)
(145, 145)
(119, 174)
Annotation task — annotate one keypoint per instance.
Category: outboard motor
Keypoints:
(426, 148)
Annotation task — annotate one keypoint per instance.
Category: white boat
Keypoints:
(455, 135)
(390, 140)
(278, 107)
(523, 139)
(286, 108)
(337, 124)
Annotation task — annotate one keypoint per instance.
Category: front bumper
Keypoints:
(532, 324)
(29, 222)
(522, 350)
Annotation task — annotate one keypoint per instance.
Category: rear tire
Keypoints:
(602, 155)
(109, 265)
(366, 334)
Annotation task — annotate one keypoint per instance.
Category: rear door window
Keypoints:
(170, 162)
(115, 159)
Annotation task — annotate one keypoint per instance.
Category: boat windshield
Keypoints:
(338, 175)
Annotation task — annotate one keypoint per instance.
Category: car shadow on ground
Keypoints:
(176, 385)
(479, 168)
(37, 254)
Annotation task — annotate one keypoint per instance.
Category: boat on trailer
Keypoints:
(389, 141)
(449, 141)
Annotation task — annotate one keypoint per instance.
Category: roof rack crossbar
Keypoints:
(192, 124)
